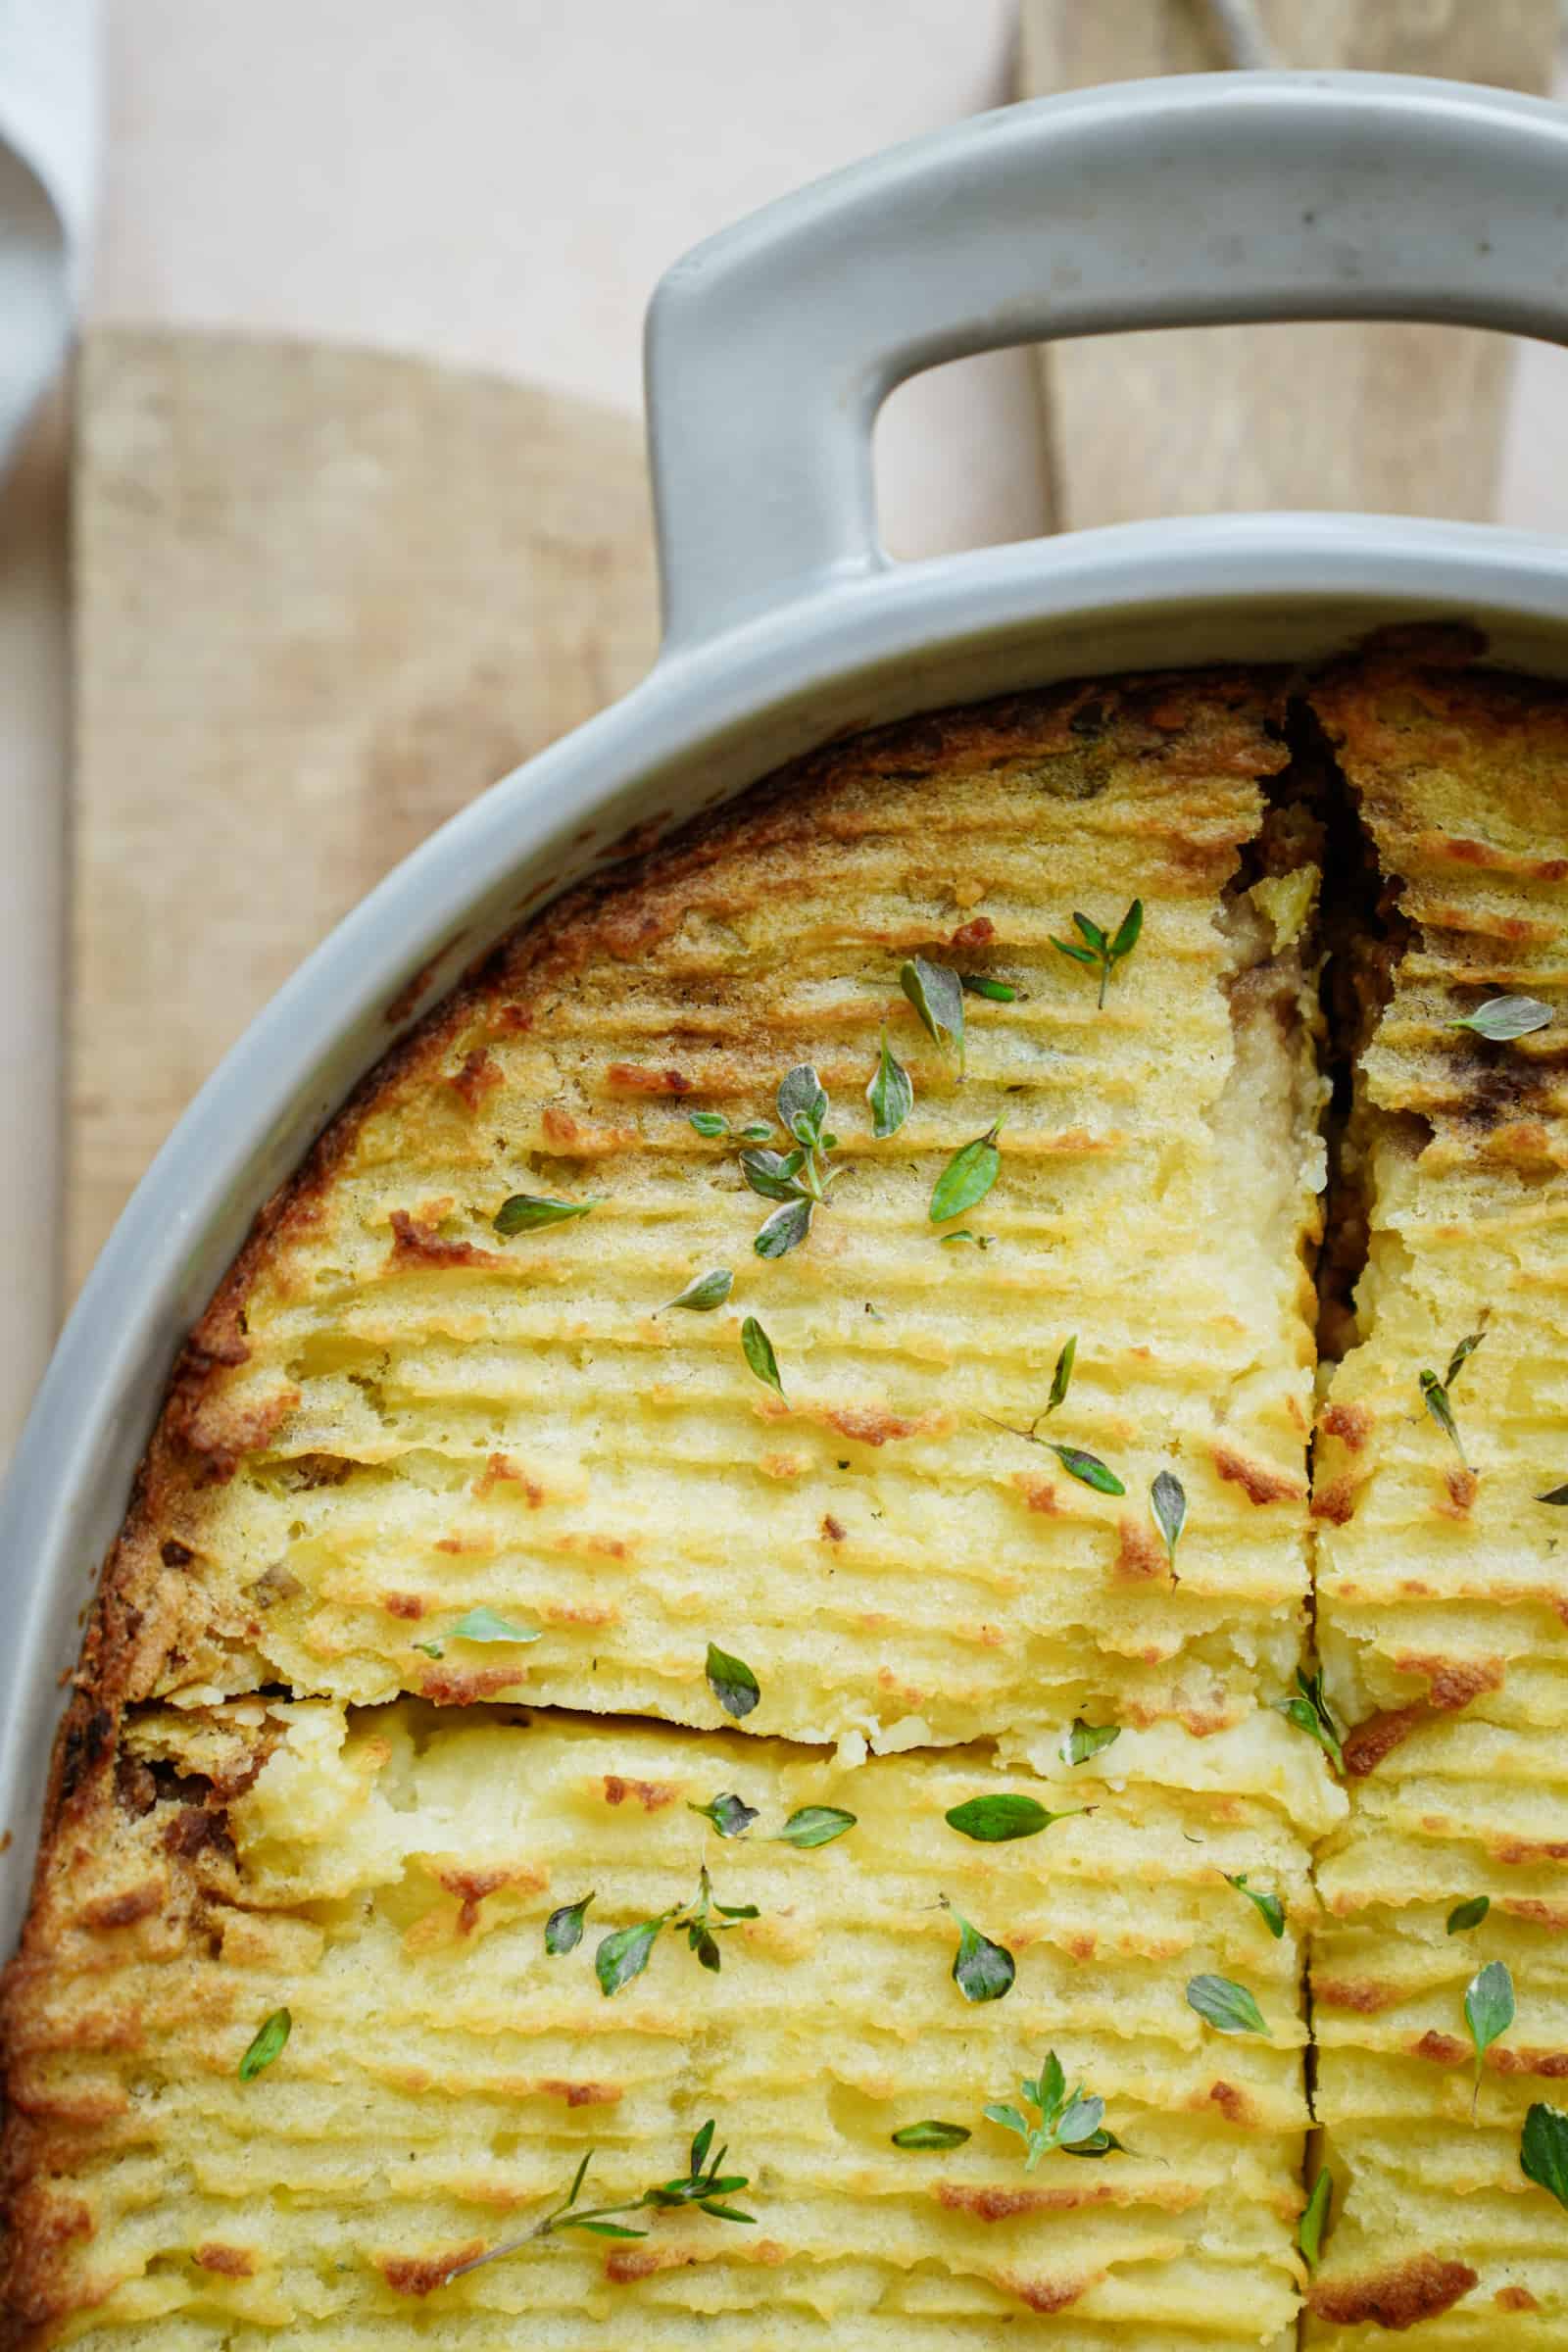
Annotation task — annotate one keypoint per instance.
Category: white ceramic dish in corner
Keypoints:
(769, 351)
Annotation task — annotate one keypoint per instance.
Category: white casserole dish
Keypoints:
(770, 350)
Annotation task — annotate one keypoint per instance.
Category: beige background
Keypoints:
(497, 185)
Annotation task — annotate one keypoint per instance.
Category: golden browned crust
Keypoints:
(1418, 2289)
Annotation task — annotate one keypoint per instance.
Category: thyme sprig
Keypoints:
(1087, 1468)
(1100, 952)
(1069, 2120)
(704, 2184)
(1308, 1710)
(626, 1952)
(1435, 1392)
(797, 1178)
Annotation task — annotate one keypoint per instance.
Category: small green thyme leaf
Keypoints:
(625, 1953)
(1086, 1740)
(1309, 1712)
(758, 1352)
(1435, 1392)
(1097, 950)
(982, 1971)
(1465, 1350)
(980, 984)
(266, 2045)
(710, 1122)
(1468, 1914)
(1503, 1019)
(995, 1820)
(483, 1625)
(527, 1212)
(1268, 1907)
(732, 1682)
(1559, 1494)
(705, 1292)
(785, 1230)
(1062, 1378)
(1167, 1500)
(967, 1177)
(729, 1815)
(431, 1649)
(803, 1106)
(1087, 1468)
(814, 1825)
(1314, 2220)
(564, 1928)
(1543, 2151)
(1226, 2006)
(890, 1093)
(1489, 2008)
(985, 1241)
(774, 1174)
(931, 2136)
(937, 996)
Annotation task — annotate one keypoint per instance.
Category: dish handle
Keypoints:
(1182, 202)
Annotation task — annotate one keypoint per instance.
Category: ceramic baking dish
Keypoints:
(769, 351)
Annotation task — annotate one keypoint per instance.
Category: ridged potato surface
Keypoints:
(388, 1876)
(1441, 1580)
(287, 1780)
(395, 1415)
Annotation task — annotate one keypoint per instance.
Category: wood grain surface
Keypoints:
(323, 597)
(1394, 419)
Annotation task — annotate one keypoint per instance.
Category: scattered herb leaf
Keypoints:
(890, 1093)
(984, 1241)
(1468, 1914)
(626, 1952)
(1167, 1500)
(1087, 1468)
(431, 1649)
(776, 1174)
(803, 1106)
(1543, 2151)
(709, 1123)
(729, 1815)
(981, 984)
(1268, 1907)
(758, 1352)
(1559, 1494)
(785, 1229)
(1062, 1378)
(1503, 1019)
(1100, 952)
(732, 1682)
(1489, 2010)
(982, 1971)
(1086, 1740)
(937, 996)
(564, 1928)
(266, 2045)
(1226, 2006)
(703, 2185)
(1314, 2218)
(526, 1213)
(483, 1625)
(704, 1293)
(1309, 1712)
(931, 2136)
(816, 1824)
(996, 1819)
(967, 1177)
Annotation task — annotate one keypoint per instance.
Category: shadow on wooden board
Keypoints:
(323, 598)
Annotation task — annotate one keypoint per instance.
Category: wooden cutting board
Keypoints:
(1393, 419)
(323, 597)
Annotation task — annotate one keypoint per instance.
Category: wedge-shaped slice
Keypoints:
(397, 1415)
(1443, 1580)
(387, 1878)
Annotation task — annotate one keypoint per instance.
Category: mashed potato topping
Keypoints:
(568, 1674)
